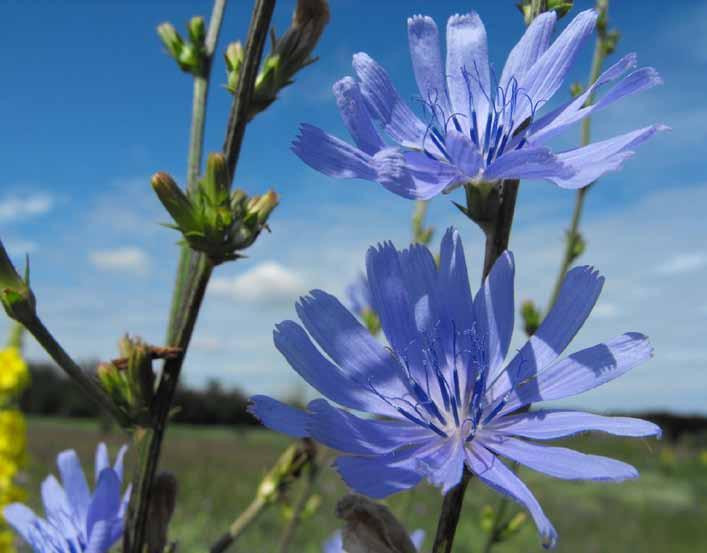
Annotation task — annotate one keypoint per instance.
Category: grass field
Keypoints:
(218, 470)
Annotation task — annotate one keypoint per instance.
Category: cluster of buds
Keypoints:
(130, 380)
(532, 8)
(213, 220)
(190, 55)
(15, 294)
(287, 470)
(289, 54)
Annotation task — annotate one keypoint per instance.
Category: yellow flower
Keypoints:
(13, 435)
(14, 375)
(7, 539)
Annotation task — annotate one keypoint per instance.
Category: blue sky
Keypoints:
(91, 106)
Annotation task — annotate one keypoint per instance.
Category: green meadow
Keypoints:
(664, 511)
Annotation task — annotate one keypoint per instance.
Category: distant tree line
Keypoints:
(52, 394)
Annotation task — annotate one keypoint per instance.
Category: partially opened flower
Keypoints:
(475, 127)
(76, 520)
(447, 398)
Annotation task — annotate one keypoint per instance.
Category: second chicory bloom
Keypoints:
(76, 520)
(476, 127)
(447, 396)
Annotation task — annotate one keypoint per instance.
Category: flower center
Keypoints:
(493, 136)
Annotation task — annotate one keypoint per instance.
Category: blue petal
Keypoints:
(423, 39)
(575, 110)
(592, 161)
(420, 273)
(390, 296)
(74, 482)
(348, 387)
(575, 301)
(560, 462)
(334, 544)
(59, 511)
(384, 103)
(494, 310)
(332, 156)
(495, 474)
(40, 535)
(101, 462)
(464, 154)
(553, 424)
(119, 462)
(279, 417)
(583, 371)
(529, 48)
(381, 475)
(418, 538)
(467, 53)
(545, 77)
(412, 175)
(350, 434)
(445, 466)
(346, 341)
(356, 118)
(454, 280)
(531, 162)
(103, 511)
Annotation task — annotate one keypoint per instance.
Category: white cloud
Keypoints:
(268, 282)
(682, 263)
(127, 259)
(15, 208)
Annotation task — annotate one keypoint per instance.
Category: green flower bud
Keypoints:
(286, 470)
(197, 30)
(171, 39)
(190, 59)
(174, 200)
(576, 89)
(15, 294)
(531, 317)
(261, 207)
(577, 245)
(216, 182)
(234, 60)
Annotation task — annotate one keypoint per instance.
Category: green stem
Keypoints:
(194, 286)
(89, 386)
(196, 154)
(307, 490)
(573, 233)
(240, 525)
(497, 524)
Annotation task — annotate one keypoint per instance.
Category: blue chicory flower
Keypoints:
(335, 543)
(477, 128)
(446, 396)
(76, 519)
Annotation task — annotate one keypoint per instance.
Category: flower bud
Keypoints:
(371, 527)
(15, 294)
(286, 470)
(234, 61)
(216, 182)
(531, 317)
(262, 206)
(170, 39)
(197, 30)
(173, 199)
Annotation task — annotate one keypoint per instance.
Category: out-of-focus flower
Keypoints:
(448, 396)
(76, 520)
(14, 375)
(335, 543)
(477, 127)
